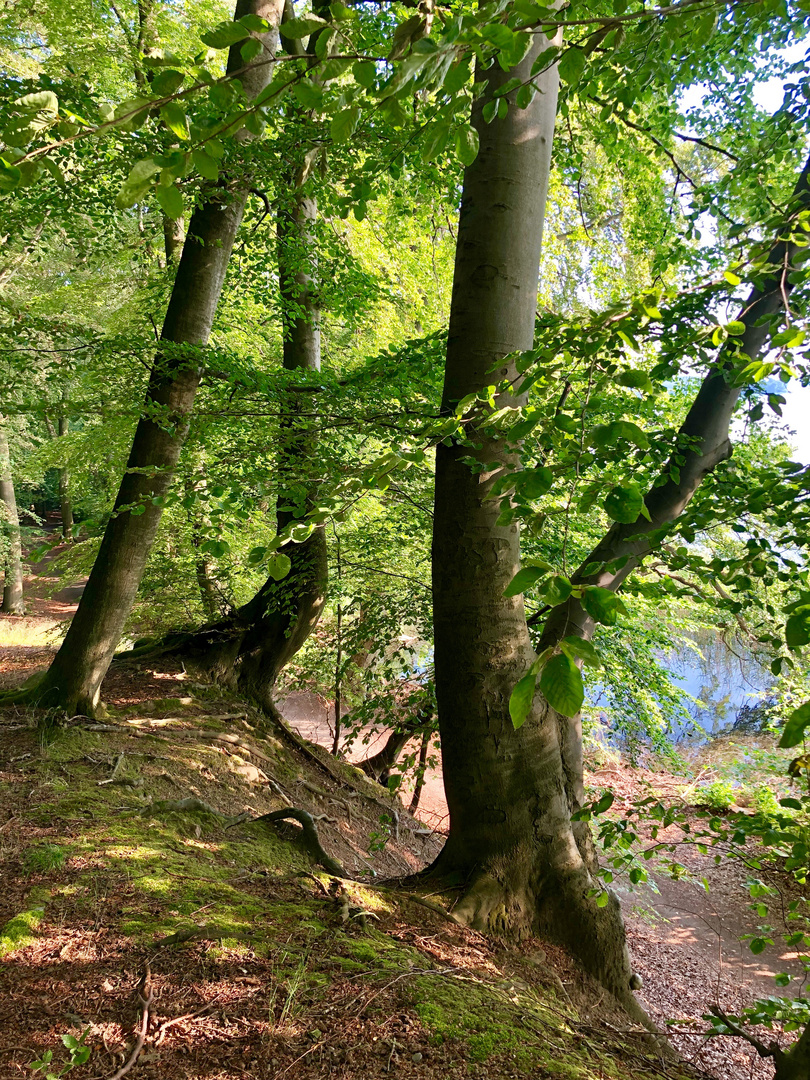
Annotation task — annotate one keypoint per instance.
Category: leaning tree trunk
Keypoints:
(73, 681)
(13, 603)
(510, 797)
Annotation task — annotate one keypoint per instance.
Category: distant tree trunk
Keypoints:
(74, 679)
(420, 771)
(65, 503)
(13, 585)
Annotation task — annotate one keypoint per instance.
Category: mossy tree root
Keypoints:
(309, 837)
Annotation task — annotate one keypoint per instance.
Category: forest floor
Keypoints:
(97, 866)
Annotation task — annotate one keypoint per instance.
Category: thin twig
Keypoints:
(145, 995)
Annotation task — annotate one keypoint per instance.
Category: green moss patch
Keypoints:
(20, 931)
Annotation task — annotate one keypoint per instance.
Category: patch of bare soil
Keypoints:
(684, 937)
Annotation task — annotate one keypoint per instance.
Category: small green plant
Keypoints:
(717, 796)
(378, 840)
(44, 857)
(765, 801)
(78, 1053)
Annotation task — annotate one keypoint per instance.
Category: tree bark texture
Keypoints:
(13, 602)
(74, 679)
(524, 865)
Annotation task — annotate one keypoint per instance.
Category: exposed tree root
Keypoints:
(145, 995)
(309, 836)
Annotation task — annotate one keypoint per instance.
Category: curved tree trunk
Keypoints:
(526, 866)
(74, 679)
(13, 602)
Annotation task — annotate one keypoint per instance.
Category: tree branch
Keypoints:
(701, 444)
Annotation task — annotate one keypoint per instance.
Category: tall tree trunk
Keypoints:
(13, 585)
(249, 649)
(511, 794)
(525, 865)
(74, 679)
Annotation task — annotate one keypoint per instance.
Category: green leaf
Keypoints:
(572, 64)
(205, 165)
(731, 277)
(466, 144)
(521, 698)
(226, 34)
(167, 82)
(41, 101)
(604, 803)
(255, 23)
(365, 73)
(435, 139)
(561, 685)
(782, 979)
(735, 328)
(10, 176)
(624, 503)
(603, 605)
(136, 110)
(217, 548)
(524, 579)
(175, 119)
(604, 436)
(579, 649)
(344, 125)
(796, 725)
(758, 945)
(602, 899)
(544, 60)
(250, 50)
(457, 77)
(299, 28)
(137, 183)
(308, 94)
(171, 201)
(637, 380)
(498, 35)
(534, 483)
(797, 629)
(704, 29)
(556, 591)
(279, 566)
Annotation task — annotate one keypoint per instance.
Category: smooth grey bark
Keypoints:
(74, 679)
(13, 602)
(524, 865)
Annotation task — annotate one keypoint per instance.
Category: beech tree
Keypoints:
(510, 733)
